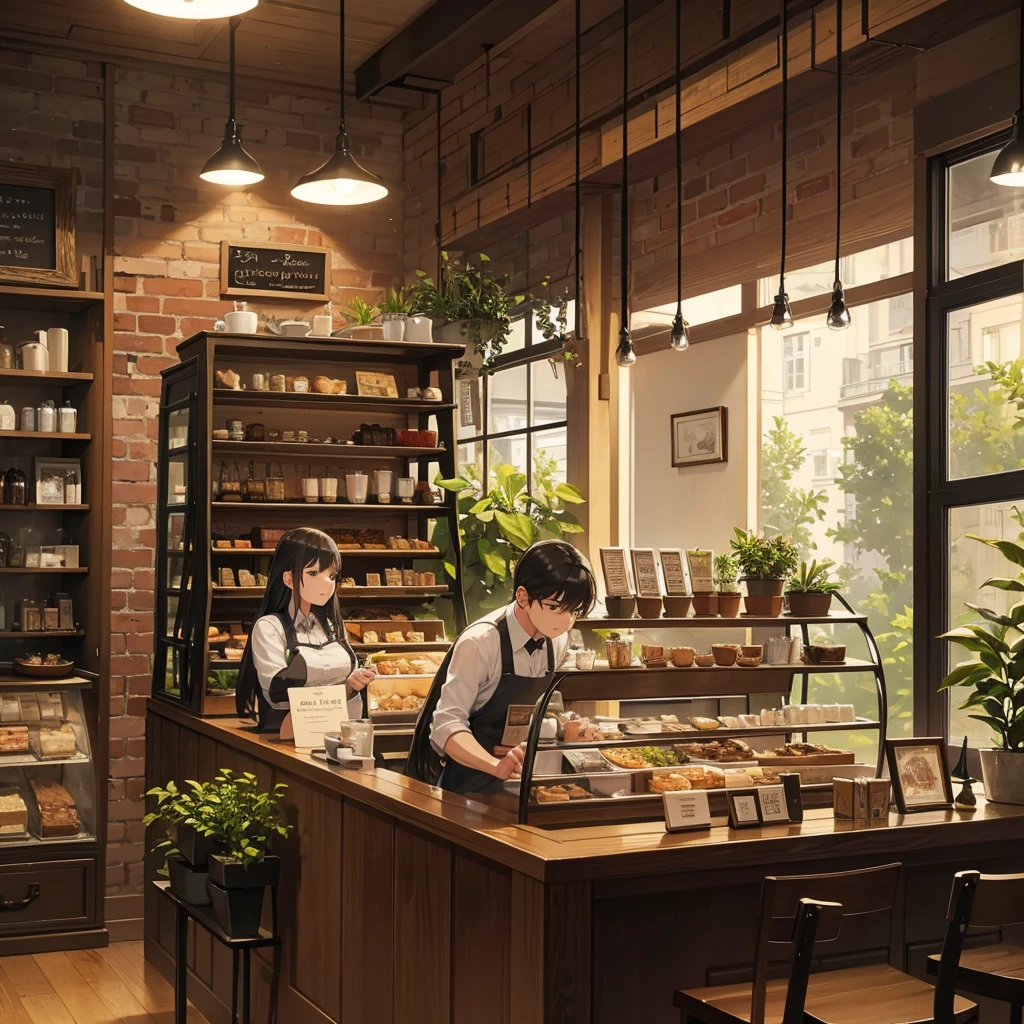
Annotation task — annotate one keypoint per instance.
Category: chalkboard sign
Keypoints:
(291, 272)
(37, 225)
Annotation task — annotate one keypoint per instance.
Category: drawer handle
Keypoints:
(10, 906)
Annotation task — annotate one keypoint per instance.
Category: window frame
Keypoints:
(802, 357)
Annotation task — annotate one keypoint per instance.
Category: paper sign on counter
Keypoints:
(316, 710)
(687, 810)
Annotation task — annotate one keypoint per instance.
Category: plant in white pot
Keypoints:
(996, 677)
(394, 310)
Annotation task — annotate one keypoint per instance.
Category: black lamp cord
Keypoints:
(679, 159)
(785, 108)
(576, 250)
(232, 26)
(624, 212)
(341, 65)
(839, 129)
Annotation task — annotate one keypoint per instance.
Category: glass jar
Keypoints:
(16, 487)
(6, 351)
(46, 418)
(274, 488)
(619, 650)
(68, 416)
(28, 419)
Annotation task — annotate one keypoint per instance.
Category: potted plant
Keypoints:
(471, 305)
(393, 312)
(358, 313)
(188, 818)
(810, 591)
(726, 572)
(244, 820)
(551, 319)
(996, 677)
(766, 564)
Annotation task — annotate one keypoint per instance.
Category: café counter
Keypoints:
(402, 905)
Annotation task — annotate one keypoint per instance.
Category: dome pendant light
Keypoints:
(782, 312)
(838, 315)
(625, 354)
(231, 164)
(680, 337)
(341, 181)
(1008, 168)
(195, 10)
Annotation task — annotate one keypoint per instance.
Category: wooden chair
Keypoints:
(859, 995)
(989, 901)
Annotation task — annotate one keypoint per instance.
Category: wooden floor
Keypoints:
(88, 986)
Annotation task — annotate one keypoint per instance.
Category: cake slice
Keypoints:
(58, 815)
(13, 739)
(13, 813)
(54, 741)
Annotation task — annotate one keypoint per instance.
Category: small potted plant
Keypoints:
(766, 564)
(188, 818)
(244, 820)
(996, 677)
(726, 572)
(358, 313)
(810, 590)
(394, 310)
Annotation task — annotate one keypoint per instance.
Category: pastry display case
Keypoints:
(259, 435)
(645, 714)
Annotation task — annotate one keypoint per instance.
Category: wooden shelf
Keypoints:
(433, 553)
(333, 350)
(392, 593)
(714, 622)
(68, 300)
(39, 634)
(78, 570)
(44, 508)
(44, 435)
(335, 403)
(41, 377)
(349, 451)
(394, 508)
(11, 680)
(850, 665)
(408, 647)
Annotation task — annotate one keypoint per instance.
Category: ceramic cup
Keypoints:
(323, 325)
(239, 321)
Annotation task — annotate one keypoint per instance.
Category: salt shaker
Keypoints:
(68, 418)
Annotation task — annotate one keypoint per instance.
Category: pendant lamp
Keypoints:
(680, 337)
(838, 315)
(341, 181)
(782, 313)
(1008, 168)
(231, 164)
(625, 354)
(195, 10)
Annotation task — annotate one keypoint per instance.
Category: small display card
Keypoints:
(700, 561)
(687, 810)
(517, 724)
(616, 572)
(673, 570)
(316, 710)
(765, 805)
(645, 570)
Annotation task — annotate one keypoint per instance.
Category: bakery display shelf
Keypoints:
(273, 449)
(82, 837)
(308, 507)
(392, 593)
(407, 645)
(311, 401)
(65, 300)
(715, 622)
(77, 570)
(31, 761)
(44, 435)
(44, 508)
(850, 665)
(10, 680)
(345, 552)
(39, 634)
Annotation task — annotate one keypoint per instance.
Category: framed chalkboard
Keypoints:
(267, 271)
(37, 225)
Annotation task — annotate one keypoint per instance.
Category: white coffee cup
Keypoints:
(323, 325)
(239, 321)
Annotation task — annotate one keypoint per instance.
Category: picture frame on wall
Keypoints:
(700, 438)
(54, 478)
(920, 773)
(37, 214)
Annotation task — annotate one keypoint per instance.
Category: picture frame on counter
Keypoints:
(615, 567)
(673, 571)
(743, 808)
(920, 774)
(687, 810)
(375, 385)
(700, 437)
(645, 572)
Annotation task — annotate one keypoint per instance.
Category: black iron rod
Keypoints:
(576, 250)
(679, 158)
(341, 62)
(839, 128)
(624, 211)
(784, 25)
(232, 25)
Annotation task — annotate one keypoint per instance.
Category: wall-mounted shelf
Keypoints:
(272, 449)
(43, 435)
(335, 403)
(35, 377)
(44, 508)
(77, 570)
(66, 300)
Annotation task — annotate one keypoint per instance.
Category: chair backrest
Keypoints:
(814, 920)
(867, 891)
(988, 901)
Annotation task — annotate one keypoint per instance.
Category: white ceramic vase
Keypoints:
(1002, 771)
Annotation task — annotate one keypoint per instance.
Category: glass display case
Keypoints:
(259, 435)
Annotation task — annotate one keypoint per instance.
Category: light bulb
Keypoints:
(838, 314)
(625, 354)
(194, 10)
(1008, 168)
(782, 313)
(231, 164)
(680, 333)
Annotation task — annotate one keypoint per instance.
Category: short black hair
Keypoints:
(552, 570)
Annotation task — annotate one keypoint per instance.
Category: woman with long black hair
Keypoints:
(298, 637)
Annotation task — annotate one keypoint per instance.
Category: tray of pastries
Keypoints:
(565, 792)
(805, 753)
(58, 815)
(421, 664)
(634, 758)
(394, 632)
(50, 742)
(724, 751)
(684, 776)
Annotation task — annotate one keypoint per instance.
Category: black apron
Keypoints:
(294, 674)
(488, 723)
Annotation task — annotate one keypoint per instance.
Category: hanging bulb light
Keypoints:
(625, 354)
(782, 312)
(680, 337)
(577, 267)
(231, 164)
(342, 181)
(1008, 168)
(194, 10)
(838, 315)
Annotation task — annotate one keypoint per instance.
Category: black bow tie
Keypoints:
(533, 646)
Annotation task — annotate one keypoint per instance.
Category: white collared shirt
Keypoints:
(475, 670)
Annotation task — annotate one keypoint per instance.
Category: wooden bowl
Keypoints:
(43, 671)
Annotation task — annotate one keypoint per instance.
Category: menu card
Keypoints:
(646, 571)
(673, 570)
(699, 561)
(616, 572)
(316, 710)
(686, 810)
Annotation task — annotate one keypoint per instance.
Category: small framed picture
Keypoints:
(58, 481)
(743, 811)
(700, 437)
(771, 801)
(919, 773)
(376, 385)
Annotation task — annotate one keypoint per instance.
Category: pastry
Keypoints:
(625, 757)
(233, 653)
(348, 581)
(221, 544)
(228, 379)
(551, 794)
(243, 543)
(408, 578)
(246, 578)
(370, 637)
(393, 577)
(13, 739)
(577, 792)
(705, 724)
(394, 638)
(421, 545)
(415, 638)
(702, 777)
(329, 386)
(13, 813)
(398, 543)
(53, 741)
(668, 783)
(57, 813)
(429, 579)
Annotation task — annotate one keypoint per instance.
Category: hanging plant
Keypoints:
(556, 327)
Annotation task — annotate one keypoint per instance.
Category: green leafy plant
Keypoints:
(773, 558)
(726, 572)
(497, 526)
(471, 296)
(996, 676)
(244, 819)
(221, 680)
(191, 806)
(394, 302)
(358, 312)
(786, 509)
(813, 578)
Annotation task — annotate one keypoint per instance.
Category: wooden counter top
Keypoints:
(604, 853)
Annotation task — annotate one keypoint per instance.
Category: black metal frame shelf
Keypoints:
(340, 403)
(273, 449)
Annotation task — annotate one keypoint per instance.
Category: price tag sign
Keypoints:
(316, 710)
(616, 572)
(687, 810)
(646, 572)
(673, 570)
